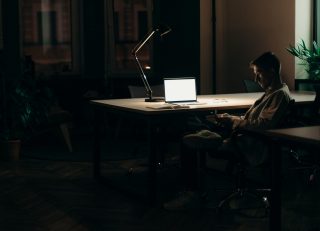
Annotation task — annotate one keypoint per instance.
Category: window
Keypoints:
(47, 29)
(317, 21)
(128, 23)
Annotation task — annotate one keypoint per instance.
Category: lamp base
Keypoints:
(154, 99)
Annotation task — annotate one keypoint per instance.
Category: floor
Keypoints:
(42, 191)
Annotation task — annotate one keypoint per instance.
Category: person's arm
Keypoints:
(224, 120)
(267, 116)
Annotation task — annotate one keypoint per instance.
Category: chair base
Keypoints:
(243, 200)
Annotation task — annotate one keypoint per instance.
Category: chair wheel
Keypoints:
(130, 172)
(311, 178)
(266, 202)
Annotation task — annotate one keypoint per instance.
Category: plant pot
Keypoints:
(10, 150)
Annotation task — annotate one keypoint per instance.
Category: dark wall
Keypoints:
(10, 55)
(93, 38)
(178, 53)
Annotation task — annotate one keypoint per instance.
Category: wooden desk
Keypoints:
(305, 137)
(138, 109)
(211, 102)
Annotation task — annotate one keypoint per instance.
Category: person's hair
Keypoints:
(267, 61)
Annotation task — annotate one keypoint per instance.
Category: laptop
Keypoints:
(180, 90)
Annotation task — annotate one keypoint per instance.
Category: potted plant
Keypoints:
(310, 58)
(24, 106)
(12, 118)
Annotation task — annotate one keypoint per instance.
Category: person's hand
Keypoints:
(212, 118)
(225, 120)
(221, 120)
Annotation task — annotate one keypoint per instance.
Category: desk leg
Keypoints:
(152, 174)
(275, 200)
(97, 143)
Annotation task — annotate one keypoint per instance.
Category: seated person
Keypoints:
(265, 113)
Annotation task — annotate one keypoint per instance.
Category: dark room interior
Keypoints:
(94, 154)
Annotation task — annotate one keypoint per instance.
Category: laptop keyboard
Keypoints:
(190, 103)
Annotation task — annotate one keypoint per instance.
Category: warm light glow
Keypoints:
(147, 67)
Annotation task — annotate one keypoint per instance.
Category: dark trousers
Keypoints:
(193, 161)
(189, 167)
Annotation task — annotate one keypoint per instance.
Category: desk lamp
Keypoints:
(161, 30)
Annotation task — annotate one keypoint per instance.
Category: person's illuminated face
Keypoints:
(263, 77)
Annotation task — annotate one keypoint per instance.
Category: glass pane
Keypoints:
(317, 18)
(46, 33)
(130, 20)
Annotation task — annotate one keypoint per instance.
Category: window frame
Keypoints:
(316, 21)
(76, 52)
(110, 52)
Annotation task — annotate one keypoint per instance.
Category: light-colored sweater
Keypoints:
(267, 111)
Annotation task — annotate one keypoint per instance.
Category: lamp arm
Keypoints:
(144, 78)
(142, 74)
(142, 42)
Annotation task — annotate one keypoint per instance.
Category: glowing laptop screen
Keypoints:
(180, 89)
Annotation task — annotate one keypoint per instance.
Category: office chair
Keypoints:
(59, 121)
(240, 168)
(252, 86)
(307, 160)
(253, 197)
(312, 117)
(62, 119)
(209, 146)
(242, 165)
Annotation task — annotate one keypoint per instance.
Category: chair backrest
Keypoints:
(316, 103)
(287, 119)
(252, 86)
(140, 91)
(137, 91)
